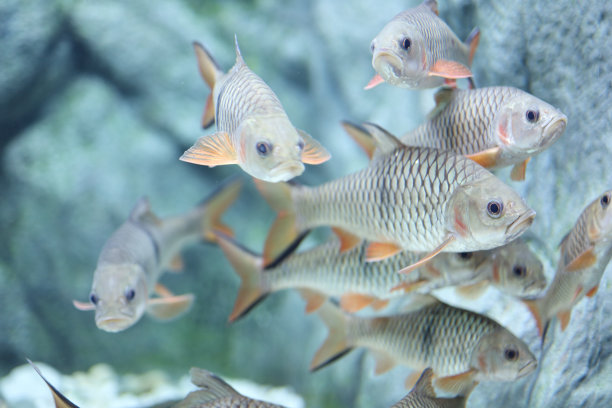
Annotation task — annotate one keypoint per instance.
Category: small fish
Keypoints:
(462, 347)
(135, 256)
(216, 393)
(423, 395)
(324, 271)
(416, 49)
(585, 252)
(409, 198)
(253, 130)
(58, 398)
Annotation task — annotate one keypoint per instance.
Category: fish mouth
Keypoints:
(286, 171)
(114, 324)
(387, 64)
(520, 224)
(553, 130)
(527, 368)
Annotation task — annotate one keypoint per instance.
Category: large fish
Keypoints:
(585, 252)
(253, 130)
(59, 399)
(462, 347)
(416, 49)
(324, 271)
(216, 393)
(411, 198)
(423, 395)
(137, 253)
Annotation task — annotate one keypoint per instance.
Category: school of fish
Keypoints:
(426, 213)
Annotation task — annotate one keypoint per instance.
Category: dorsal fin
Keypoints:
(424, 386)
(432, 5)
(142, 211)
(239, 59)
(385, 141)
(442, 97)
(212, 388)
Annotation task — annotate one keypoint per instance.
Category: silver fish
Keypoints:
(424, 396)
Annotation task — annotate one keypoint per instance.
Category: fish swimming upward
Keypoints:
(58, 398)
(411, 198)
(416, 49)
(424, 396)
(496, 127)
(585, 252)
(216, 393)
(462, 347)
(253, 130)
(136, 254)
(323, 272)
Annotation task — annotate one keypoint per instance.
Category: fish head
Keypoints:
(398, 54)
(599, 219)
(119, 294)
(270, 148)
(517, 271)
(501, 356)
(486, 213)
(526, 125)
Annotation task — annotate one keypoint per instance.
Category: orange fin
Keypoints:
(593, 291)
(177, 264)
(162, 291)
(457, 384)
(380, 304)
(450, 69)
(375, 81)
(534, 308)
(354, 302)
(564, 318)
(486, 158)
(584, 260)
(336, 344)
(215, 205)
(212, 150)
(361, 136)
(169, 307)
(423, 385)
(314, 152)
(383, 362)
(208, 118)
(208, 67)
(377, 251)
(408, 287)
(473, 39)
(58, 398)
(84, 306)
(473, 291)
(519, 170)
(314, 300)
(348, 241)
(428, 257)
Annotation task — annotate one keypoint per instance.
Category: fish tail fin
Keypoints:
(210, 72)
(336, 344)
(541, 318)
(214, 207)
(284, 229)
(58, 398)
(248, 267)
(472, 41)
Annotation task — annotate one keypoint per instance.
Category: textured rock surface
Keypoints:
(99, 99)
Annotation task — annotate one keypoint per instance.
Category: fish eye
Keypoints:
(300, 145)
(372, 46)
(406, 43)
(129, 294)
(605, 200)
(495, 208)
(263, 148)
(465, 255)
(511, 353)
(519, 271)
(93, 299)
(532, 115)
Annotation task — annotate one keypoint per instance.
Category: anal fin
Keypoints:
(348, 241)
(354, 302)
(377, 251)
(383, 362)
(314, 300)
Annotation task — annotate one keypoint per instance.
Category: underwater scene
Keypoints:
(327, 204)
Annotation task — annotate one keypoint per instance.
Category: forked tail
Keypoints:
(336, 344)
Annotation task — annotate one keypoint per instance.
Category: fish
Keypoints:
(409, 198)
(137, 253)
(253, 129)
(584, 254)
(423, 395)
(58, 398)
(417, 50)
(323, 271)
(216, 393)
(462, 347)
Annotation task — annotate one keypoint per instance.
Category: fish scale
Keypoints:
(576, 241)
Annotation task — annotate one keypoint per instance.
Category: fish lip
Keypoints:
(115, 323)
(392, 64)
(554, 129)
(529, 367)
(283, 170)
(520, 224)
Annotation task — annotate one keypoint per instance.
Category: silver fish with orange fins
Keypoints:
(253, 130)
(324, 271)
(416, 49)
(408, 198)
(137, 253)
(585, 252)
(423, 395)
(462, 347)
(216, 393)
(59, 399)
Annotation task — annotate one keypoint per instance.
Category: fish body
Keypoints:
(585, 252)
(423, 395)
(411, 198)
(462, 347)
(496, 126)
(138, 252)
(416, 49)
(216, 393)
(253, 129)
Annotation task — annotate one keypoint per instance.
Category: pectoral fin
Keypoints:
(564, 318)
(169, 307)
(212, 150)
(584, 260)
(84, 306)
(450, 69)
(486, 158)
(377, 251)
(375, 81)
(314, 152)
(519, 170)
(429, 256)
